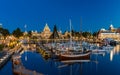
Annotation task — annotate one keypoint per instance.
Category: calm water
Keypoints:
(107, 64)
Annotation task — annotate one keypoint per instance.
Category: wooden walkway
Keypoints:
(19, 69)
(5, 58)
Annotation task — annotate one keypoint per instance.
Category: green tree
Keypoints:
(73, 32)
(86, 34)
(4, 32)
(17, 33)
(95, 34)
(54, 35)
(29, 33)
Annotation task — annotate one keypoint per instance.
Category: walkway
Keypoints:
(19, 69)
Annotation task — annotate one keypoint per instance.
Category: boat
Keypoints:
(75, 56)
(75, 61)
(81, 54)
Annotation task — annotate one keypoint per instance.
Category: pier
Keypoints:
(7, 55)
(45, 52)
(19, 69)
(4, 59)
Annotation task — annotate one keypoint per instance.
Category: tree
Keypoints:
(73, 32)
(54, 35)
(4, 32)
(95, 34)
(29, 33)
(17, 33)
(86, 34)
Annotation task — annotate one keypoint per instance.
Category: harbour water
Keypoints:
(107, 63)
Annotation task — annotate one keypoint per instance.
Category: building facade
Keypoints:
(46, 32)
(110, 33)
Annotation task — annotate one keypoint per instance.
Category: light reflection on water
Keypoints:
(115, 51)
(108, 64)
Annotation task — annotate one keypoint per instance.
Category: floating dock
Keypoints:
(4, 59)
(19, 69)
(46, 53)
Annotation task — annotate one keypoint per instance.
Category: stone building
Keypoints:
(110, 33)
(46, 32)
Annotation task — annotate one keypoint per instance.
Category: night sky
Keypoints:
(94, 14)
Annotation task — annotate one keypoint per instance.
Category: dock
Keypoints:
(45, 52)
(19, 69)
(4, 59)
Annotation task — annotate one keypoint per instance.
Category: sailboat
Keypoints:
(82, 54)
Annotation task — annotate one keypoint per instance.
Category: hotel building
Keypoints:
(110, 33)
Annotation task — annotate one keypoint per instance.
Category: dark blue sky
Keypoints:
(95, 14)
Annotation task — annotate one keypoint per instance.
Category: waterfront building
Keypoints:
(110, 33)
(66, 35)
(35, 33)
(46, 32)
(60, 35)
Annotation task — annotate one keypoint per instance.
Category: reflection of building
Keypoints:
(46, 32)
(110, 33)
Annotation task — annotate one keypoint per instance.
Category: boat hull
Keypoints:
(84, 56)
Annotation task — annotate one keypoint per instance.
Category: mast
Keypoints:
(70, 34)
(81, 34)
(26, 40)
(81, 28)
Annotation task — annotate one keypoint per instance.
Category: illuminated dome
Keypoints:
(103, 29)
(111, 26)
(35, 31)
(46, 32)
(46, 28)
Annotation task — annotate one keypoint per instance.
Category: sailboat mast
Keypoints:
(26, 40)
(70, 33)
(81, 29)
(81, 34)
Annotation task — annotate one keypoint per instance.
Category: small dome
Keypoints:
(0, 25)
(60, 31)
(111, 26)
(103, 29)
(35, 31)
(46, 28)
